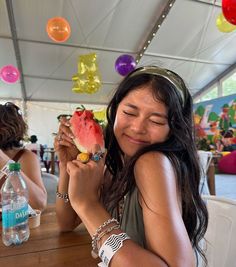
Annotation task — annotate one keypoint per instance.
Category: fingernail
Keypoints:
(71, 136)
(67, 124)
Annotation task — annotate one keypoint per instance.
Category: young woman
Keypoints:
(150, 181)
(12, 131)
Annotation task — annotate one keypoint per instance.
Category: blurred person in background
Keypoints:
(12, 131)
(38, 149)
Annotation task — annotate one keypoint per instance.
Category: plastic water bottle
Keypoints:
(14, 194)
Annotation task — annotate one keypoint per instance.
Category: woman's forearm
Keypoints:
(37, 195)
(66, 216)
(94, 215)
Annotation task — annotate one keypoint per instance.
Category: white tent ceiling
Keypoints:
(187, 42)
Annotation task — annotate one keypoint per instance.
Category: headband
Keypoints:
(164, 73)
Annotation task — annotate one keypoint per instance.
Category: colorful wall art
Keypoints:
(215, 123)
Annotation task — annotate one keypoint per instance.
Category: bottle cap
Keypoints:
(14, 166)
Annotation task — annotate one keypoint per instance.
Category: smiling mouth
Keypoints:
(136, 141)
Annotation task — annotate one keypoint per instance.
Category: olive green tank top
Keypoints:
(132, 219)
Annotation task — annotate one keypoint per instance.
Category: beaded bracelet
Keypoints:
(95, 241)
(98, 232)
(105, 224)
(62, 196)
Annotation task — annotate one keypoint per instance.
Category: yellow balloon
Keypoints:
(80, 83)
(77, 90)
(75, 78)
(87, 80)
(84, 84)
(87, 63)
(100, 114)
(223, 25)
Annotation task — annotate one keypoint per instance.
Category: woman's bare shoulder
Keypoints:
(155, 178)
(153, 161)
(29, 157)
(29, 153)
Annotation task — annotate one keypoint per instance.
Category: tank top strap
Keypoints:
(18, 155)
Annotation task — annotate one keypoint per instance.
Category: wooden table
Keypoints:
(48, 247)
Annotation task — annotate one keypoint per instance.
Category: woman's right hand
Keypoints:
(64, 144)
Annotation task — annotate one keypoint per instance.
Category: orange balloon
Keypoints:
(58, 29)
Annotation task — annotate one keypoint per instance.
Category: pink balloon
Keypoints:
(9, 74)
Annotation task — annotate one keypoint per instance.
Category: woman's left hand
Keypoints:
(85, 181)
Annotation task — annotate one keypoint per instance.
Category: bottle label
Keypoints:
(13, 217)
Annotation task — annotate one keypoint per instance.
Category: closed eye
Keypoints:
(158, 123)
(129, 114)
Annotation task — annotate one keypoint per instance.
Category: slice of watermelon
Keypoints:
(86, 130)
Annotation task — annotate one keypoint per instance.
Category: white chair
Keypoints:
(220, 244)
(50, 181)
(205, 158)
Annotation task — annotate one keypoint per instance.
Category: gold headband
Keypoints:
(168, 75)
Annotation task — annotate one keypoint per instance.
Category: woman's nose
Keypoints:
(138, 125)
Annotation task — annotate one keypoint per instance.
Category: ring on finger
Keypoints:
(97, 156)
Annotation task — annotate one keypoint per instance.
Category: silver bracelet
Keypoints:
(111, 246)
(62, 196)
(95, 241)
(94, 251)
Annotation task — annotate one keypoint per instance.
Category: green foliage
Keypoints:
(81, 107)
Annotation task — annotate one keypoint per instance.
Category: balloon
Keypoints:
(58, 29)
(87, 80)
(229, 10)
(223, 25)
(87, 63)
(9, 74)
(100, 114)
(125, 64)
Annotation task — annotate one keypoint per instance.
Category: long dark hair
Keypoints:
(12, 126)
(179, 148)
